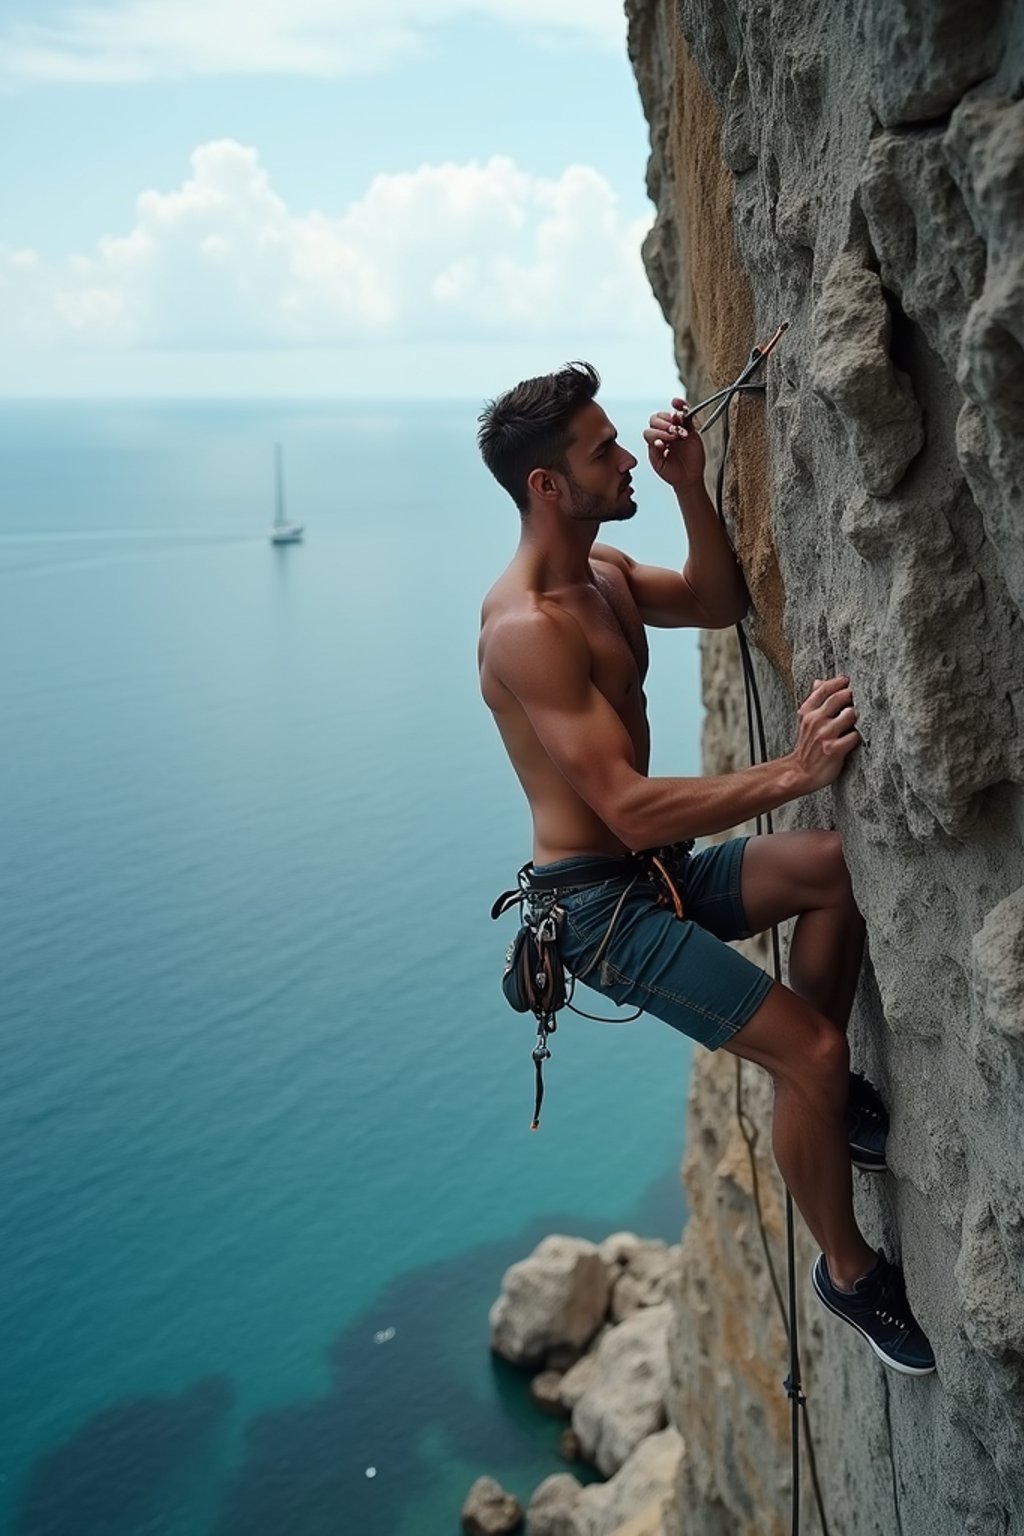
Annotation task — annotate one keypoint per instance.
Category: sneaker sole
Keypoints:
(894, 1365)
(867, 1167)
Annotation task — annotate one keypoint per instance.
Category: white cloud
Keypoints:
(130, 40)
(448, 252)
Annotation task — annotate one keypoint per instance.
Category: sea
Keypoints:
(264, 1114)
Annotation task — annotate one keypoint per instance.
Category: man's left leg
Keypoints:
(804, 875)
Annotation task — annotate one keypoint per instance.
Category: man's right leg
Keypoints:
(806, 1055)
(808, 1059)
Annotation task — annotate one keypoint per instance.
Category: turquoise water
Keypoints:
(261, 1098)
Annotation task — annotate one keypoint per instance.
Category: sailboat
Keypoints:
(283, 531)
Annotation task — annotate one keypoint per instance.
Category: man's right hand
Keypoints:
(825, 734)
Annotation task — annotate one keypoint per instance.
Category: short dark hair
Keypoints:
(528, 428)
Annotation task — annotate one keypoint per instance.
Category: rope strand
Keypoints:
(788, 1314)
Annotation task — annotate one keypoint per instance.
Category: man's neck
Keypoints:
(557, 555)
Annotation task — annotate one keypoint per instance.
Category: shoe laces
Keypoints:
(861, 1097)
(891, 1303)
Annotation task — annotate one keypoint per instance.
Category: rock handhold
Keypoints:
(490, 1511)
(556, 1297)
(853, 371)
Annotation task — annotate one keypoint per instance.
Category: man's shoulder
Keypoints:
(526, 635)
(513, 613)
(607, 554)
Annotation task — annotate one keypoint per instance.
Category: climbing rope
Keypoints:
(722, 400)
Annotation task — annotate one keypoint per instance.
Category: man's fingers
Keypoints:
(844, 745)
(824, 689)
(844, 720)
(665, 424)
(834, 703)
(827, 694)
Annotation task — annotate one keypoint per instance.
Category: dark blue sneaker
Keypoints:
(878, 1308)
(867, 1125)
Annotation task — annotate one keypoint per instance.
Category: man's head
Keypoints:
(548, 441)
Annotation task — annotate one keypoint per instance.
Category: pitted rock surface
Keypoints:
(857, 168)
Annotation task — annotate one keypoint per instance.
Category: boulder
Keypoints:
(489, 1510)
(618, 1392)
(545, 1389)
(643, 1279)
(615, 1250)
(635, 1502)
(552, 1510)
(555, 1298)
(578, 1380)
(637, 1499)
(569, 1444)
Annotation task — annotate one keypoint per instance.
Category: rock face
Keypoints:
(857, 168)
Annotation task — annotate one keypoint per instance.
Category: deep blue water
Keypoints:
(260, 1095)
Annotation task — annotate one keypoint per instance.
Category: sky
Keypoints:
(355, 198)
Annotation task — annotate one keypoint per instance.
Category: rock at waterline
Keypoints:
(637, 1500)
(489, 1510)
(618, 1394)
(556, 1297)
(546, 1392)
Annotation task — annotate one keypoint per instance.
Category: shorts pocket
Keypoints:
(586, 919)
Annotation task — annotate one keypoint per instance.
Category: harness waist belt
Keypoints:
(570, 875)
(593, 872)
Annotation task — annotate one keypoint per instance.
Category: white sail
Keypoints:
(283, 531)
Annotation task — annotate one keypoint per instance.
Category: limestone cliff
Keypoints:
(857, 168)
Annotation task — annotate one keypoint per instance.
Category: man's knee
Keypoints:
(829, 1057)
(795, 1043)
(833, 871)
(821, 1064)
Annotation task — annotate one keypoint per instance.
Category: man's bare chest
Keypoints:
(615, 636)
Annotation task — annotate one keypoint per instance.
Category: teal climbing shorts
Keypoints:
(680, 970)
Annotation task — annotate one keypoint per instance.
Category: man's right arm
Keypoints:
(543, 659)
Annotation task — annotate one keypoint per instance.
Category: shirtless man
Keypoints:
(563, 657)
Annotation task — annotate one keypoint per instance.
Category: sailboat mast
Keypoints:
(278, 487)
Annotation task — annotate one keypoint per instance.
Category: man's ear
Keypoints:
(543, 483)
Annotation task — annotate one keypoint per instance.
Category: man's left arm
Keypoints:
(710, 592)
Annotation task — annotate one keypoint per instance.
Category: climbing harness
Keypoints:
(798, 1401)
(534, 978)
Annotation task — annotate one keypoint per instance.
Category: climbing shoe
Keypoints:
(878, 1308)
(867, 1125)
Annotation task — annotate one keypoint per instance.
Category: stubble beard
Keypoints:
(588, 508)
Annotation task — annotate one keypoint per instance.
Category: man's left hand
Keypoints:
(675, 448)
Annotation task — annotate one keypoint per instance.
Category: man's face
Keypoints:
(599, 470)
